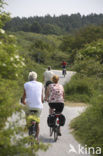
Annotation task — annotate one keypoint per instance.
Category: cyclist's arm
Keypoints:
(23, 98)
(42, 99)
(63, 92)
(63, 95)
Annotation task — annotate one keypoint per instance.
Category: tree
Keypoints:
(11, 67)
(35, 27)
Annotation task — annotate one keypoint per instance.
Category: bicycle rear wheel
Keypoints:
(55, 134)
(51, 131)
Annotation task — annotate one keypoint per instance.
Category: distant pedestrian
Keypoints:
(48, 74)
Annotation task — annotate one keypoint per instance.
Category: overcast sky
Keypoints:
(26, 8)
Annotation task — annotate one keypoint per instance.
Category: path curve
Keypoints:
(62, 146)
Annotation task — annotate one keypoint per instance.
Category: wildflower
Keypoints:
(4, 64)
(12, 36)
(23, 64)
(17, 56)
(11, 58)
(2, 31)
(15, 65)
(16, 75)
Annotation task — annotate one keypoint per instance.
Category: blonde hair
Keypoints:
(55, 79)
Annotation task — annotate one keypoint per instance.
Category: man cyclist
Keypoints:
(64, 64)
(48, 74)
(33, 94)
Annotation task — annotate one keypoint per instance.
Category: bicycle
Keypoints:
(32, 121)
(55, 120)
(55, 129)
(64, 72)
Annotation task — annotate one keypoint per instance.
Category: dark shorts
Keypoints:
(63, 67)
(57, 106)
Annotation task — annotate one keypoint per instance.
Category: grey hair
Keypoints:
(32, 76)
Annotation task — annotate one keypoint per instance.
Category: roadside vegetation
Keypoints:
(87, 86)
(12, 67)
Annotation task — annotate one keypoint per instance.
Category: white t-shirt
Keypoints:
(33, 91)
(48, 75)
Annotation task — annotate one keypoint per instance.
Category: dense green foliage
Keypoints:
(85, 50)
(41, 49)
(53, 25)
(89, 126)
(12, 65)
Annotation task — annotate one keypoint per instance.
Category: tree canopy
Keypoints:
(53, 25)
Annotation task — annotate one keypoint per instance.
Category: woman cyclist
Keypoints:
(55, 96)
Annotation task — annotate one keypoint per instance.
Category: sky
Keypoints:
(26, 8)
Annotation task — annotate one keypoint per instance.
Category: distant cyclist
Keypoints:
(48, 74)
(33, 93)
(55, 96)
(64, 64)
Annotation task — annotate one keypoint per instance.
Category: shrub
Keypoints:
(79, 89)
(91, 132)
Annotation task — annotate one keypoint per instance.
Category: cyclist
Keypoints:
(55, 96)
(64, 64)
(48, 74)
(33, 97)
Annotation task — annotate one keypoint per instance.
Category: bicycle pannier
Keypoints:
(62, 120)
(51, 120)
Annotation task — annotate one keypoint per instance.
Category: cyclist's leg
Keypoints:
(51, 108)
(38, 126)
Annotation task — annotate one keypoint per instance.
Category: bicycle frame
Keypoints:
(32, 121)
(64, 72)
(56, 128)
(33, 128)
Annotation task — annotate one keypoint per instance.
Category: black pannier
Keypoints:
(51, 120)
(62, 120)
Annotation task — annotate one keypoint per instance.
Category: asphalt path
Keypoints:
(66, 144)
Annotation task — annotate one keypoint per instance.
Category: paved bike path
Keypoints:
(62, 146)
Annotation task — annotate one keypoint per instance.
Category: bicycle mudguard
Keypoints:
(30, 118)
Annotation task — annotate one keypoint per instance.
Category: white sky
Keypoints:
(26, 8)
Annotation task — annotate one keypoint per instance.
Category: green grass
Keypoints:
(79, 89)
(88, 127)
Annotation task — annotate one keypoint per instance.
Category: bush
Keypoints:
(91, 132)
(79, 89)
